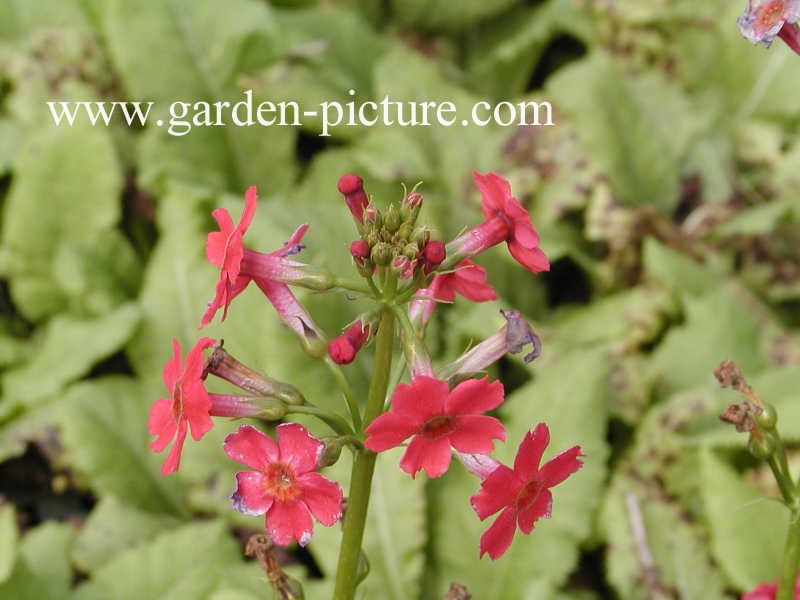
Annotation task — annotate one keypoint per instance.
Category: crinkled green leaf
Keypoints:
(42, 571)
(748, 554)
(104, 428)
(186, 563)
(65, 190)
(114, 526)
(68, 349)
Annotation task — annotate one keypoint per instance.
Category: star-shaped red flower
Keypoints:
(437, 419)
(284, 484)
(187, 408)
(467, 279)
(522, 493)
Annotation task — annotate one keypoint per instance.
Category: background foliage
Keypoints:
(665, 198)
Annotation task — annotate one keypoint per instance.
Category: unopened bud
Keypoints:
(762, 446)
(411, 206)
(768, 417)
(411, 251)
(420, 236)
(330, 453)
(359, 250)
(403, 267)
(343, 349)
(433, 254)
(381, 254)
(352, 188)
(392, 221)
(373, 216)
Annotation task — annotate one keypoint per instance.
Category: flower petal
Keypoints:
(474, 396)
(420, 400)
(323, 497)
(469, 280)
(474, 433)
(540, 507)
(172, 368)
(287, 521)
(496, 540)
(529, 455)
(250, 197)
(173, 459)
(250, 495)
(298, 447)
(161, 423)
(558, 468)
(532, 259)
(429, 454)
(494, 190)
(389, 430)
(499, 489)
(248, 446)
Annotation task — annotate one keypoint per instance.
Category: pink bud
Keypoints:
(343, 349)
(350, 183)
(352, 187)
(359, 250)
(433, 254)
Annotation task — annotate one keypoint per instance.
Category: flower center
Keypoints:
(769, 15)
(527, 495)
(438, 426)
(280, 482)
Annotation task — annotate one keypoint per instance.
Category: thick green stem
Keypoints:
(791, 559)
(363, 467)
(341, 381)
(784, 480)
(335, 422)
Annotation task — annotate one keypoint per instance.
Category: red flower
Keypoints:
(764, 19)
(768, 591)
(468, 279)
(505, 221)
(283, 485)
(187, 408)
(224, 249)
(438, 419)
(523, 493)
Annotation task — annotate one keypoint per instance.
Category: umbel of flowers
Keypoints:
(435, 414)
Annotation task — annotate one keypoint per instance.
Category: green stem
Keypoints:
(353, 286)
(782, 477)
(363, 466)
(334, 421)
(791, 559)
(344, 386)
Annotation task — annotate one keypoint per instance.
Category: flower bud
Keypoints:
(403, 267)
(410, 251)
(768, 417)
(420, 236)
(373, 216)
(381, 254)
(405, 231)
(343, 349)
(392, 221)
(433, 254)
(330, 453)
(359, 250)
(351, 187)
(762, 447)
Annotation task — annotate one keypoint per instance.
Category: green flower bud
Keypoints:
(410, 251)
(420, 236)
(762, 447)
(392, 221)
(768, 417)
(405, 231)
(381, 254)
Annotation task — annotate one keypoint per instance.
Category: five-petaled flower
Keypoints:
(505, 220)
(284, 485)
(522, 493)
(438, 419)
(762, 20)
(187, 408)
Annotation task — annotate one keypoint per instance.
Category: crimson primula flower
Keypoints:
(763, 20)
(768, 591)
(467, 279)
(187, 408)
(438, 419)
(505, 221)
(284, 485)
(522, 493)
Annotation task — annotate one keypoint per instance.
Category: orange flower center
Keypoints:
(527, 495)
(438, 426)
(280, 482)
(769, 14)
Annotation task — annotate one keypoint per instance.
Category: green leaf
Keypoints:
(19, 19)
(186, 563)
(719, 325)
(450, 16)
(40, 214)
(112, 527)
(104, 428)
(198, 48)
(569, 394)
(68, 349)
(680, 564)
(42, 570)
(676, 270)
(745, 527)
(637, 144)
(8, 540)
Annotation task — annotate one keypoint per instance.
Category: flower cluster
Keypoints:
(765, 19)
(436, 414)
